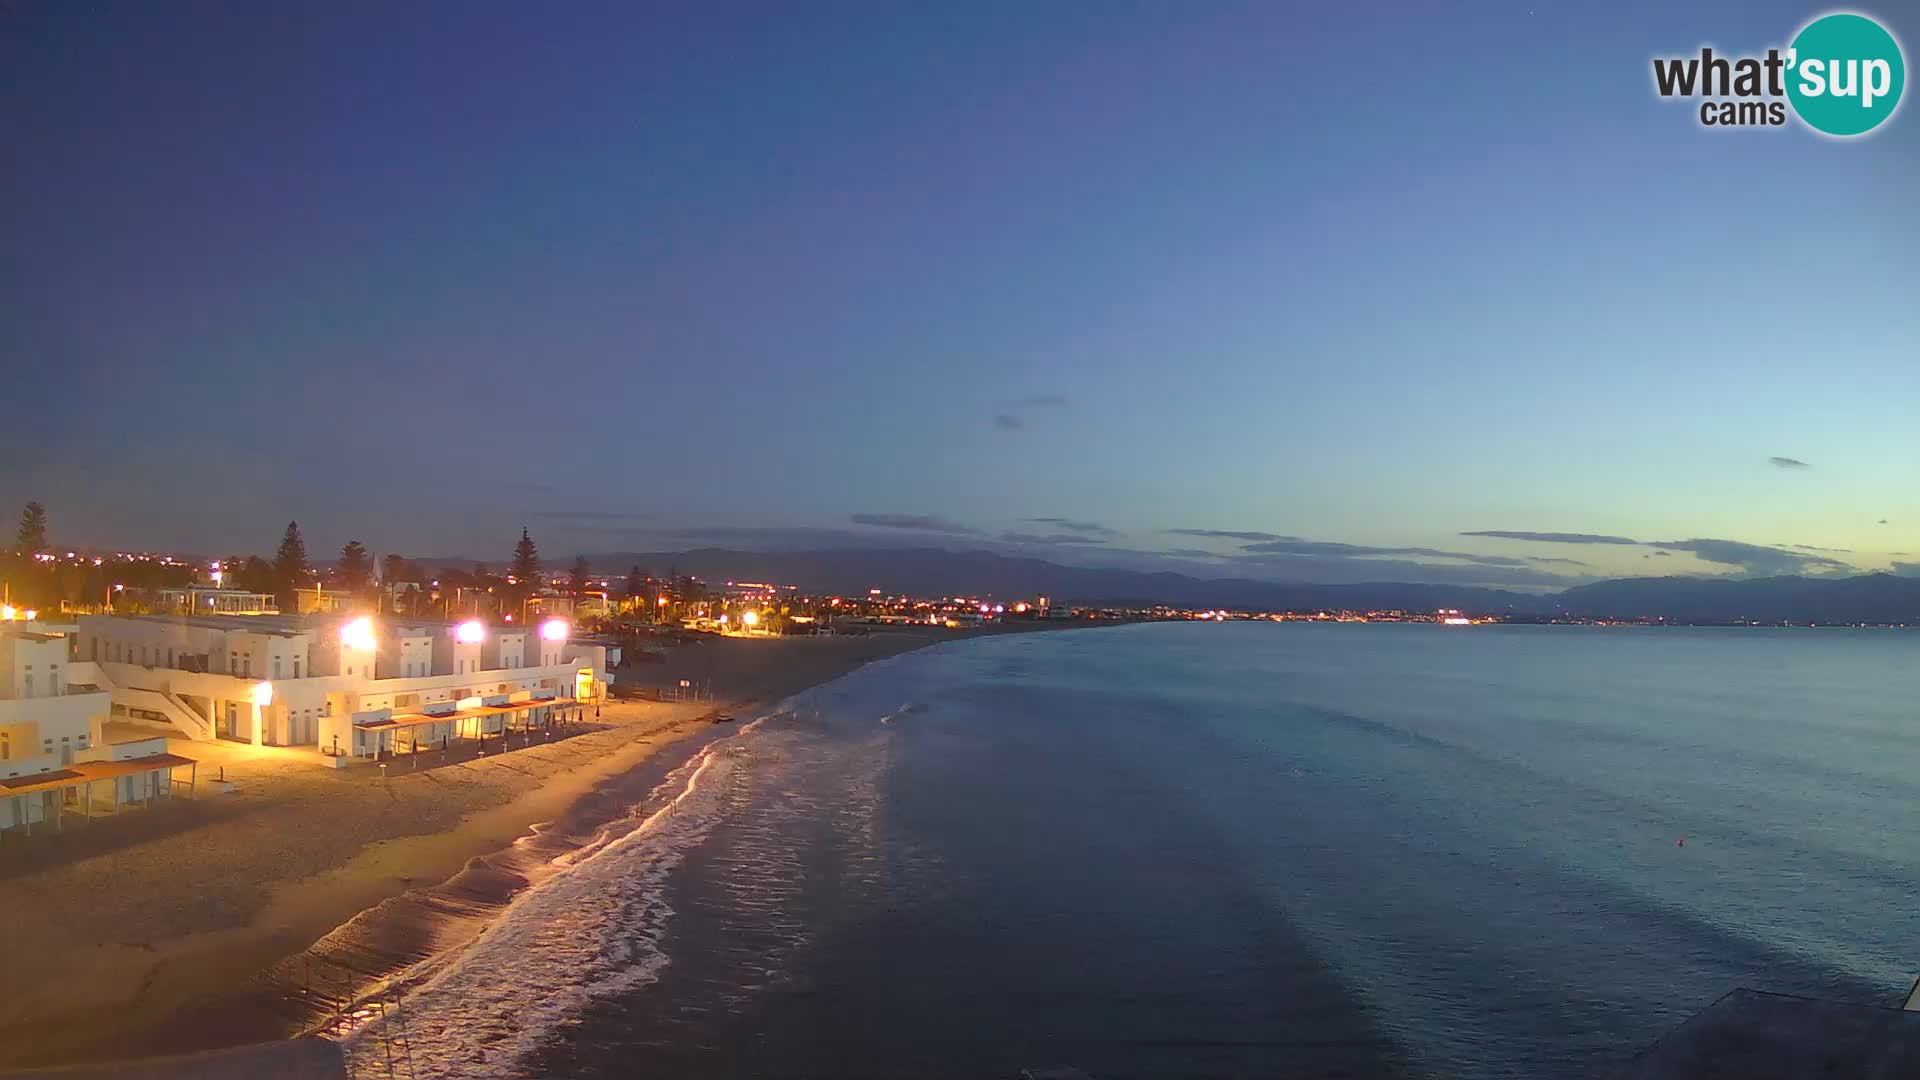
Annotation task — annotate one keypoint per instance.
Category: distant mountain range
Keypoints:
(1869, 598)
(935, 571)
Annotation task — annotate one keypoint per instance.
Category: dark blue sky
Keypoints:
(1360, 278)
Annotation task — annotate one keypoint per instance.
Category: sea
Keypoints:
(1235, 849)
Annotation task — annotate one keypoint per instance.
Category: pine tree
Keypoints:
(636, 583)
(290, 567)
(32, 536)
(526, 561)
(356, 567)
(581, 572)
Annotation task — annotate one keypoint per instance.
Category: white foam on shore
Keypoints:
(591, 930)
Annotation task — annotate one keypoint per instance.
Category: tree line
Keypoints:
(36, 576)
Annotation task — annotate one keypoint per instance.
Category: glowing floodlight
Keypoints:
(470, 632)
(751, 618)
(554, 629)
(357, 634)
(263, 694)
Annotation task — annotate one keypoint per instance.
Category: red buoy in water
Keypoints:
(1682, 842)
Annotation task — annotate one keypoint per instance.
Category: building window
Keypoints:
(29, 684)
(276, 666)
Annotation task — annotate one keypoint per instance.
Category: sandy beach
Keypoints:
(155, 931)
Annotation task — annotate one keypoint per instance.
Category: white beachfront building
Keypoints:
(345, 685)
(52, 752)
(49, 711)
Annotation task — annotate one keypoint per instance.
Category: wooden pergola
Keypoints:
(85, 774)
(455, 718)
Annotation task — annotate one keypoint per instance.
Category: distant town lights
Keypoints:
(357, 634)
(554, 629)
(470, 632)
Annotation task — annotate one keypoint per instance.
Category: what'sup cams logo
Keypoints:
(1842, 76)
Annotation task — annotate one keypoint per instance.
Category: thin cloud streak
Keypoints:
(914, 522)
(1753, 558)
(1293, 545)
(1049, 539)
(1750, 558)
(586, 515)
(1552, 537)
(1091, 528)
(1223, 534)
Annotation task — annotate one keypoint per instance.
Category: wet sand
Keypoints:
(183, 927)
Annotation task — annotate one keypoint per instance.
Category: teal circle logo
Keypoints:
(1844, 74)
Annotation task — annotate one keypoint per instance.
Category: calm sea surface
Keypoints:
(1238, 849)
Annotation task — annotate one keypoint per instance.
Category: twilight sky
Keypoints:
(1312, 294)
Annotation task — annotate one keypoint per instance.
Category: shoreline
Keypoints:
(466, 839)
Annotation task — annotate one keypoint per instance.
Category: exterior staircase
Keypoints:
(162, 703)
